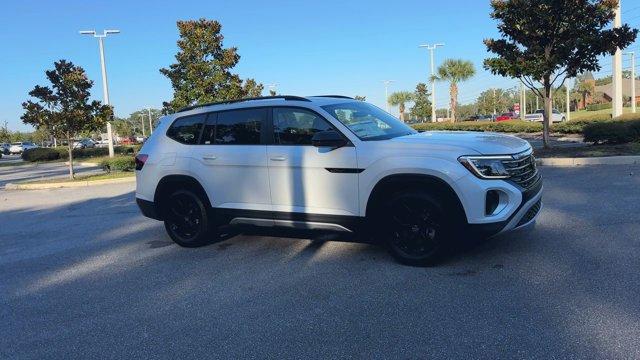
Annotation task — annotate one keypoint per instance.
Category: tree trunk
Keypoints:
(454, 100)
(401, 108)
(548, 108)
(70, 146)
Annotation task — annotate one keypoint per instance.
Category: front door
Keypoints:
(305, 179)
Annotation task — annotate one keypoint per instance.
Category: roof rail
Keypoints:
(284, 97)
(335, 96)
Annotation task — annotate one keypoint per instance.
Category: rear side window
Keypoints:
(187, 129)
(293, 126)
(239, 127)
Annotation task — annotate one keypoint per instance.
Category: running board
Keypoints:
(307, 225)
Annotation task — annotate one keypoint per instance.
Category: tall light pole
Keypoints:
(567, 115)
(632, 54)
(105, 87)
(142, 121)
(150, 121)
(273, 88)
(386, 92)
(617, 71)
(433, 80)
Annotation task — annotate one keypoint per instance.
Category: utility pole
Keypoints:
(568, 106)
(523, 101)
(633, 82)
(617, 70)
(386, 92)
(150, 121)
(105, 87)
(431, 48)
(142, 121)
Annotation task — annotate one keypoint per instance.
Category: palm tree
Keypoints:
(399, 98)
(455, 71)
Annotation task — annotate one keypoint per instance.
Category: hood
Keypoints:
(485, 143)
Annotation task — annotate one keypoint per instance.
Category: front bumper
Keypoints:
(523, 217)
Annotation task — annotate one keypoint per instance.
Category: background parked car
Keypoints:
(538, 115)
(19, 147)
(4, 148)
(507, 116)
(84, 144)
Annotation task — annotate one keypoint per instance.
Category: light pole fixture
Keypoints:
(105, 87)
(632, 54)
(386, 92)
(433, 79)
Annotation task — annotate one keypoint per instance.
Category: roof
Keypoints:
(626, 88)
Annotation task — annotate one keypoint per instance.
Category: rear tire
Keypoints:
(187, 219)
(415, 228)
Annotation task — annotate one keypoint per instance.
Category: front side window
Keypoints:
(186, 130)
(240, 127)
(367, 121)
(292, 126)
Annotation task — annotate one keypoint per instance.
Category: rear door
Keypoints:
(308, 180)
(231, 160)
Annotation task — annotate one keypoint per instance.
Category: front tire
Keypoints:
(415, 228)
(187, 220)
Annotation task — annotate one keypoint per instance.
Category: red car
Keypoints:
(507, 116)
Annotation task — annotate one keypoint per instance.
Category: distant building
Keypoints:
(607, 90)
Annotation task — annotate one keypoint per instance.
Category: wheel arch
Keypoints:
(433, 184)
(174, 182)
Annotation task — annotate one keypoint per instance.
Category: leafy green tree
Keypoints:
(360, 98)
(64, 108)
(494, 100)
(421, 104)
(455, 71)
(203, 69)
(5, 134)
(399, 99)
(546, 41)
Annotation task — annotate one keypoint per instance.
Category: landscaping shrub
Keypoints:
(98, 152)
(40, 154)
(118, 163)
(511, 126)
(596, 107)
(612, 132)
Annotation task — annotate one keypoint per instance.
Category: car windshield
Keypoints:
(368, 122)
(16, 143)
(539, 111)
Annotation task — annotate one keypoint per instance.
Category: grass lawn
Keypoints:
(92, 177)
(590, 151)
(584, 114)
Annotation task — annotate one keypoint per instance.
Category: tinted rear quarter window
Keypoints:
(186, 130)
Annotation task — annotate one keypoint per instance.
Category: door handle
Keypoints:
(209, 157)
(278, 158)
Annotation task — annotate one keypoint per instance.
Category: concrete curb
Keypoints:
(69, 184)
(88, 164)
(605, 160)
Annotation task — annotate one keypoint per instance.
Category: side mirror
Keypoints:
(328, 138)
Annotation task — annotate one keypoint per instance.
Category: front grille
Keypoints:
(531, 213)
(522, 169)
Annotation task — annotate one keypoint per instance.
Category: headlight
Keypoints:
(486, 167)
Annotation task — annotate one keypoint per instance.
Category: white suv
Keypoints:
(333, 163)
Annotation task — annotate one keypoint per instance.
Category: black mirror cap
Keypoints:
(328, 138)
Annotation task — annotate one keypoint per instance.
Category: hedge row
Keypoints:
(596, 107)
(62, 152)
(519, 126)
(96, 152)
(118, 163)
(40, 154)
(612, 132)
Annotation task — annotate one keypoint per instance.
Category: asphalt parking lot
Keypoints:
(84, 275)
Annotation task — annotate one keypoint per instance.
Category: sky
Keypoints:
(306, 48)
